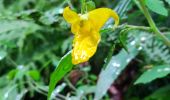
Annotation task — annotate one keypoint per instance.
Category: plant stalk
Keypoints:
(152, 24)
(83, 6)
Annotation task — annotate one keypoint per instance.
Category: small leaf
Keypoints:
(12, 74)
(154, 73)
(64, 66)
(35, 74)
(157, 6)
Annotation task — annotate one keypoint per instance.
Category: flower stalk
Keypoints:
(83, 6)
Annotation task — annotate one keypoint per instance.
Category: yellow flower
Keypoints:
(86, 29)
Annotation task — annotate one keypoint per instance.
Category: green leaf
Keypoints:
(12, 74)
(168, 1)
(64, 66)
(2, 55)
(154, 73)
(157, 6)
(160, 94)
(114, 68)
(35, 74)
(118, 63)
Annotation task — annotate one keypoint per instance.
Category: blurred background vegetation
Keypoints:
(131, 63)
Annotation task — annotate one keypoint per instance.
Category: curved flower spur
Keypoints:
(86, 29)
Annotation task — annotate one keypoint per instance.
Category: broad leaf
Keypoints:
(112, 70)
(116, 65)
(154, 73)
(157, 6)
(64, 66)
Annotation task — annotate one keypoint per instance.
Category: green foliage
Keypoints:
(34, 74)
(2, 54)
(160, 94)
(157, 6)
(156, 51)
(119, 62)
(35, 65)
(115, 67)
(9, 25)
(154, 73)
(168, 1)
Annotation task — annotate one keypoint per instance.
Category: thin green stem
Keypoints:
(11, 61)
(138, 27)
(69, 83)
(83, 6)
(151, 22)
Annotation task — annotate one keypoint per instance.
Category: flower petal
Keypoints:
(101, 15)
(84, 47)
(70, 16)
(75, 27)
